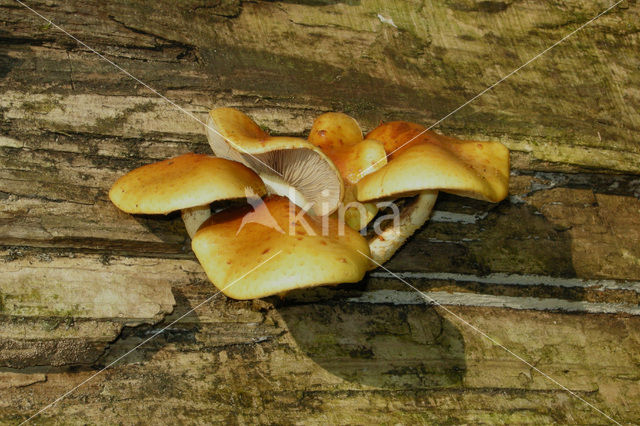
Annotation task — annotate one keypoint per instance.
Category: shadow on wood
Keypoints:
(143, 342)
(385, 346)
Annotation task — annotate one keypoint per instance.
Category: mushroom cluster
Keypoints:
(282, 202)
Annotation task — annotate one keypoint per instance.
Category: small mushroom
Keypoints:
(421, 163)
(289, 166)
(302, 250)
(188, 183)
(340, 138)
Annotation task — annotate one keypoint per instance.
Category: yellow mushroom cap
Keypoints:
(335, 130)
(340, 138)
(397, 136)
(189, 180)
(280, 161)
(430, 161)
(233, 245)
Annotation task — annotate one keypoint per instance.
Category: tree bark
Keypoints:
(551, 273)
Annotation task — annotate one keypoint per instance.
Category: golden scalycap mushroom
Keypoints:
(397, 136)
(232, 243)
(335, 130)
(289, 166)
(340, 138)
(468, 168)
(419, 164)
(184, 183)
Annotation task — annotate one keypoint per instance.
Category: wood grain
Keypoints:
(552, 273)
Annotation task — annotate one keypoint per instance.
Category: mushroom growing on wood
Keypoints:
(289, 166)
(313, 250)
(188, 183)
(340, 138)
(301, 250)
(419, 164)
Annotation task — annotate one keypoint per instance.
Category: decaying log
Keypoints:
(552, 273)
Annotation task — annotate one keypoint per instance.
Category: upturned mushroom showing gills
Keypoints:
(289, 166)
(292, 249)
(188, 183)
(340, 138)
(420, 163)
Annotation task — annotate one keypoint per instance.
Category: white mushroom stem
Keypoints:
(194, 217)
(277, 185)
(412, 217)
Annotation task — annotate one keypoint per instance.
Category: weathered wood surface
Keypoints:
(552, 273)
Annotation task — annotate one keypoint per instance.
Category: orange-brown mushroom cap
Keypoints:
(397, 136)
(183, 182)
(272, 248)
(340, 138)
(430, 161)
